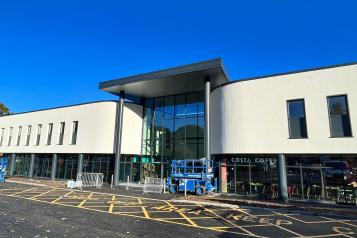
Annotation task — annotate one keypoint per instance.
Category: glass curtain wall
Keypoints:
(42, 165)
(173, 129)
(99, 164)
(22, 165)
(67, 166)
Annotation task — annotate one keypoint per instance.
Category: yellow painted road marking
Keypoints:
(59, 198)
(228, 221)
(292, 232)
(88, 197)
(145, 212)
(340, 221)
(23, 191)
(156, 219)
(182, 218)
(181, 214)
(111, 205)
(43, 193)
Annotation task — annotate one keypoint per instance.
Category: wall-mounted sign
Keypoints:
(253, 160)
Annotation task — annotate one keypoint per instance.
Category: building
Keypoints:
(292, 131)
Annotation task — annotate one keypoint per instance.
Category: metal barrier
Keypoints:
(89, 180)
(153, 185)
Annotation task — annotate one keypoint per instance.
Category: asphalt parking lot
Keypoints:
(31, 211)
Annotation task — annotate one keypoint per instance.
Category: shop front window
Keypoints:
(42, 166)
(67, 166)
(330, 178)
(21, 164)
(99, 164)
(252, 175)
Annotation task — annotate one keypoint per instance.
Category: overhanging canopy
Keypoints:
(177, 80)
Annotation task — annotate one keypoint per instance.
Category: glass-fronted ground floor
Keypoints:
(66, 166)
(309, 177)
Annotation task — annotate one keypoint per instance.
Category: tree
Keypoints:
(4, 110)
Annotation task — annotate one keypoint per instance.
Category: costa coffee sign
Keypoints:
(257, 160)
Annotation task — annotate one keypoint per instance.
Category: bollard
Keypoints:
(127, 185)
(185, 181)
(164, 185)
(111, 182)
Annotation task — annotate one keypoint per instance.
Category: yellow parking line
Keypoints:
(38, 195)
(340, 221)
(88, 197)
(59, 198)
(182, 218)
(145, 212)
(112, 205)
(129, 215)
(23, 191)
(228, 221)
(183, 215)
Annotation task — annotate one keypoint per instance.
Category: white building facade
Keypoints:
(293, 131)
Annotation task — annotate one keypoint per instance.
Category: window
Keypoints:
(49, 133)
(38, 137)
(297, 119)
(10, 136)
(19, 135)
(61, 133)
(2, 136)
(28, 135)
(340, 125)
(74, 132)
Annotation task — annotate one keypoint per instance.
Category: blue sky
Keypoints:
(54, 53)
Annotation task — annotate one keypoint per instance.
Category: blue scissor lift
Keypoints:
(198, 175)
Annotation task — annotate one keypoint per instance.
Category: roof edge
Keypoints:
(53, 108)
(217, 62)
(287, 73)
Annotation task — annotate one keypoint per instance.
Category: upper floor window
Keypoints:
(340, 125)
(49, 133)
(10, 136)
(297, 119)
(61, 133)
(38, 137)
(29, 128)
(19, 135)
(74, 132)
(2, 136)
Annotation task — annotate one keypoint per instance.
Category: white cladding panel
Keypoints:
(96, 129)
(132, 129)
(251, 116)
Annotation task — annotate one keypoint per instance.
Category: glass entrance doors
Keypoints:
(135, 169)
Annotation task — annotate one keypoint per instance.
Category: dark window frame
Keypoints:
(49, 133)
(74, 132)
(348, 113)
(288, 116)
(62, 127)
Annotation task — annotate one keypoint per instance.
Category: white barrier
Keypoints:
(153, 185)
(89, 180)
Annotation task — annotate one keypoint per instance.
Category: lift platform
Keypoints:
(193, 175)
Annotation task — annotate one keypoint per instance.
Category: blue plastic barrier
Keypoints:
(3, 164)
